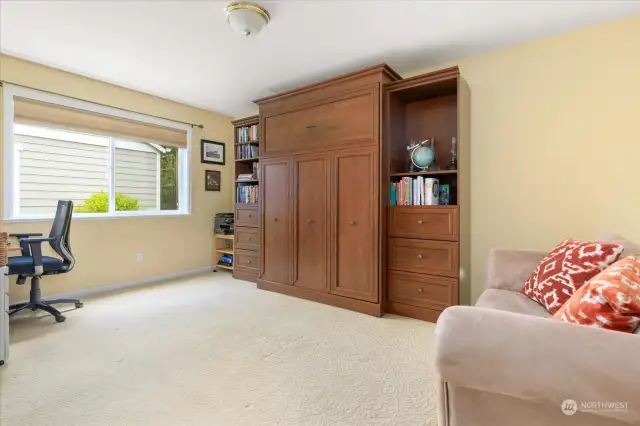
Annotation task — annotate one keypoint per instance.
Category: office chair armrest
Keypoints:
(31, 234)
(35, 245)
(37, 240)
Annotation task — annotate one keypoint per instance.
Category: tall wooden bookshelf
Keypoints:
(428, 245)
(247, 213)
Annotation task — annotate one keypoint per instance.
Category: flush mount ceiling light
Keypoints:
(246, 18)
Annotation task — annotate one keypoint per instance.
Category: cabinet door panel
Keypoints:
(310, 177)
(275, 221)
(355, 224)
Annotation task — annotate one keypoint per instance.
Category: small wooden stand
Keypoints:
(222, 244)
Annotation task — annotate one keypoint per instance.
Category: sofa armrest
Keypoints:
(509, 269)
(538, 359)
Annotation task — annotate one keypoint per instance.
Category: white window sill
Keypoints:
(100, 216)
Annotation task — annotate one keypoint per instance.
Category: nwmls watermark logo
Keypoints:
(570, 407)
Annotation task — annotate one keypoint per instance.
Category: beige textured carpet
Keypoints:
(212, 350)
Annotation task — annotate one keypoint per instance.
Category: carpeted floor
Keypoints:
(212, 350)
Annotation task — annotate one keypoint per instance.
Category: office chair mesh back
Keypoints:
(61, 231)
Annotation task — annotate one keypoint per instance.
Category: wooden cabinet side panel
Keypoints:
(464, 189)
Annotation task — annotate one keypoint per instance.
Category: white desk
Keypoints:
(4, 315)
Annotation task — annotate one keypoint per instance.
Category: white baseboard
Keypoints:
(79, 294)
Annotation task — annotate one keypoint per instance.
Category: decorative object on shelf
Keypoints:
(445, 195)
(453, 164)
(211, 152)
(431, 192)
(226, 260)
(246, 18)
(212, 180)
(421, 154)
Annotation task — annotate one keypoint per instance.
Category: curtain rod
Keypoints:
(2, 82)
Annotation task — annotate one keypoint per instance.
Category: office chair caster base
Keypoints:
(60, 318)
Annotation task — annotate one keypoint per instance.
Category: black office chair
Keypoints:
(33, 264)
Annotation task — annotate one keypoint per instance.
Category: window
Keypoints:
(106, 168)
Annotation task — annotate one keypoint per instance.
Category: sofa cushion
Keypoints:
(563, 271)
(510, 301)
(609, 300)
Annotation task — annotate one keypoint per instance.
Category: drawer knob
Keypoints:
(419, 256)
(419, 222)
(275, 219)
(309, 220)
(419, 289)
(352, 222)
(249, 262)
(311, 126)
(250, 215)
(249, 238)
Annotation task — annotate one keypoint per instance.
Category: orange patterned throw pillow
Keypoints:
(609, 300)
(566, 269)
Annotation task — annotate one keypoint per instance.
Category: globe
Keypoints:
(422, 157)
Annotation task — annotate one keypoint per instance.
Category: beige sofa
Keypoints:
(505, 362)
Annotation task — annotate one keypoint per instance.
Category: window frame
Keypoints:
(11, 172)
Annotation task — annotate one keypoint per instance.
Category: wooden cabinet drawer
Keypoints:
(247, 238)
(424, 257)
(341, 120)
(424, 291)
(247, 215)
(246, 261)
(430, 223)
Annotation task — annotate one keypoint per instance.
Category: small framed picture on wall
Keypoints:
(212, 180)
(212, 152)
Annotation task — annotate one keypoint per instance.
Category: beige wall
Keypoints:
(106, 249)
(555, 152)
(555, 137)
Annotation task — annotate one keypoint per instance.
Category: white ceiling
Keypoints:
(185, 51)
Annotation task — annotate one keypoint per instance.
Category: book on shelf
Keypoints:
(248, 133)
(417, 191)
(247, 194)
(247, 151)
(256, 171)
(246, 176)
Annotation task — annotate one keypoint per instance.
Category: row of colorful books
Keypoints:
(247, 151)
(247, 194)
(418, 191)
(248, 133)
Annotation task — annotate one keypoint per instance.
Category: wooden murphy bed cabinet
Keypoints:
(320, 191)
(329, 153)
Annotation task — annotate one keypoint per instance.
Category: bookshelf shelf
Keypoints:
(247, 181)
(248, 143)
(425, 173)
(225, 267)
(247, 160)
